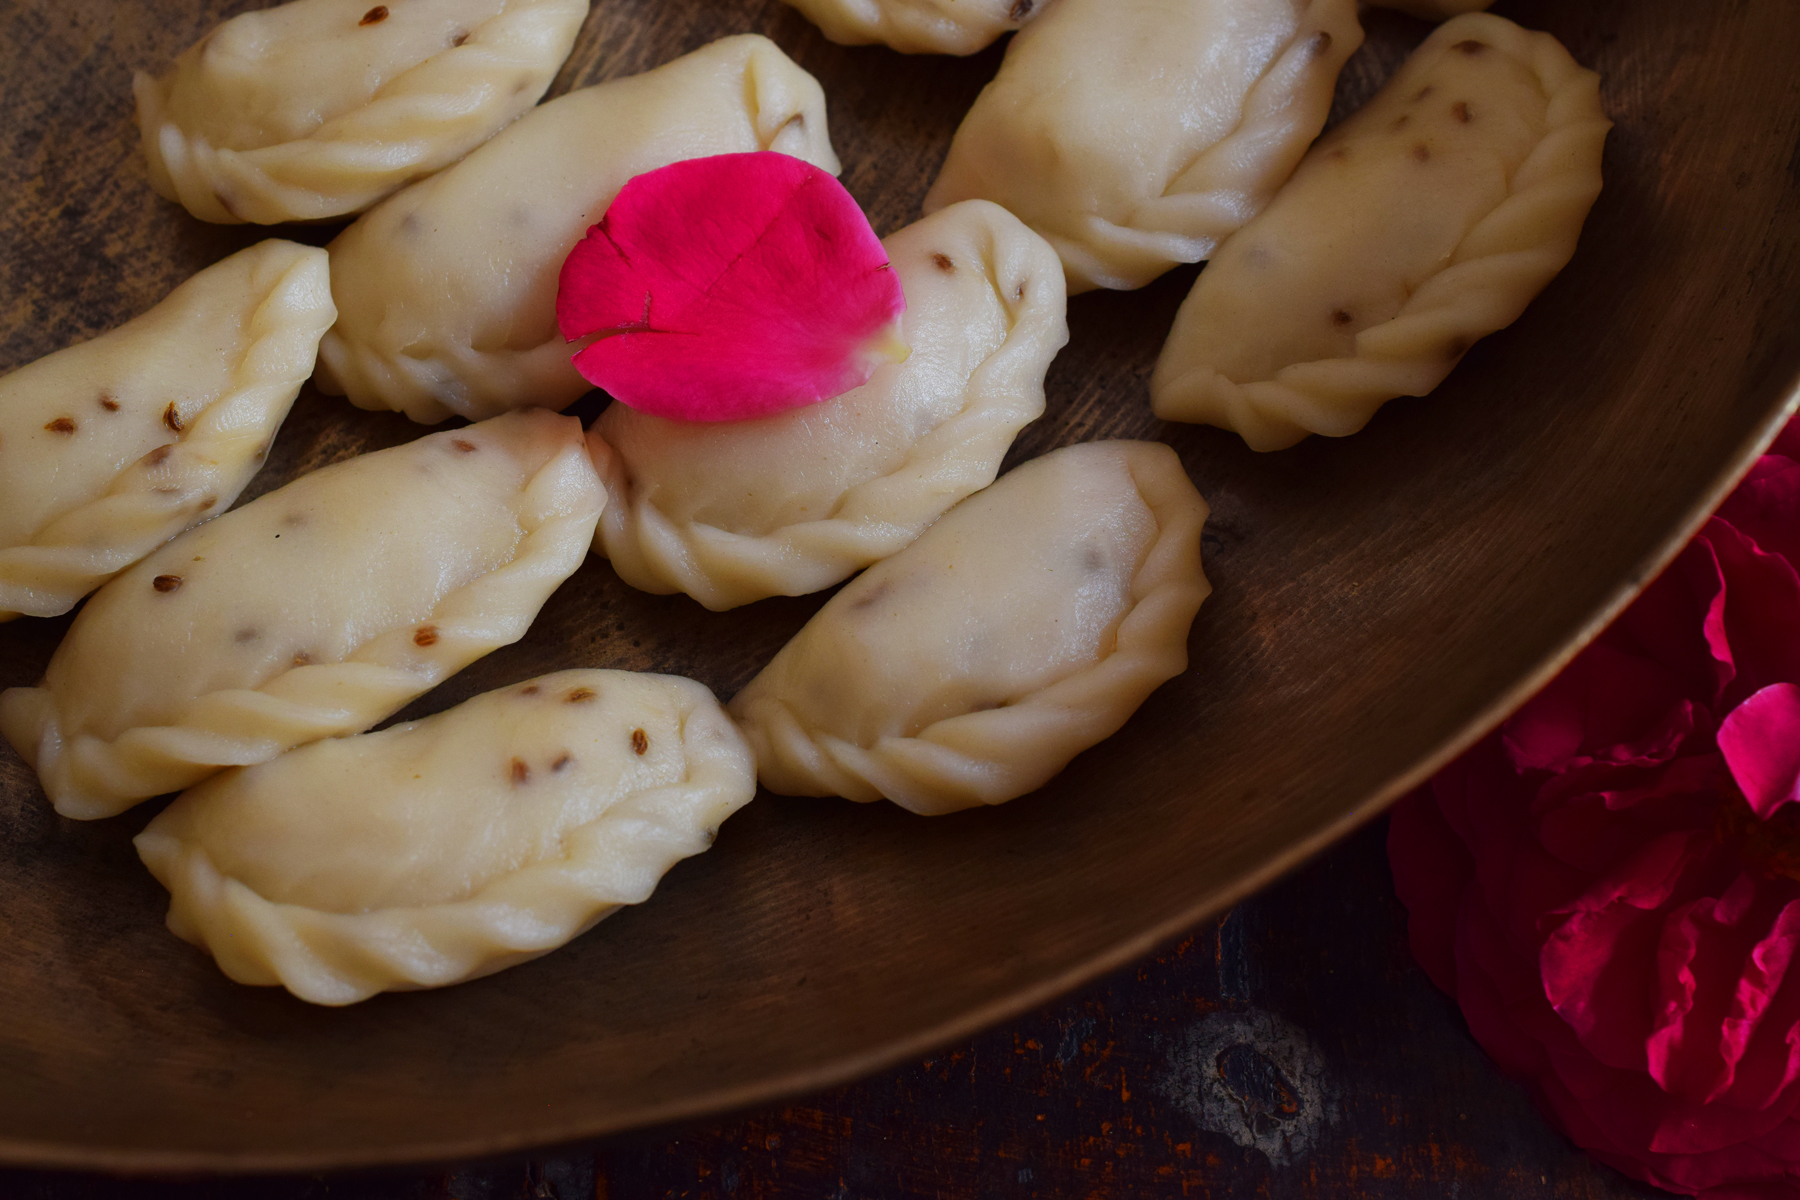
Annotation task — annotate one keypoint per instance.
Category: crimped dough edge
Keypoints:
(913, 26)
(1503, 257)
(219, 451)
(1215, 194)
(878, 517)
(88, 777)
(999, 754)
(787, 112)
(419, 122)
(340, 958)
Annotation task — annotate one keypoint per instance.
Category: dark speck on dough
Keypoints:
(108, 403)
(640, 741)
(1092, 559)
(158, 456)
(208, 503)
(579, 695)
(61, 425)
(521, 773)
(166, 583)
(375, 16)
(1321, 42)
(1019, 292)
(245, 635)
(425, 635)
(1460, 110)
(530, 689)
(172, 417)
(1340, 317)
(467, 447)
(943, 262)
(563, 761)
(1424, 92)
(459, 39)
(1471, 47)
(302, 659)
(1021, 9)
(1422, 152)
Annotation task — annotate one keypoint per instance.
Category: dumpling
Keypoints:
(446, 293)
(1025, 626)
(1427, 220)
(313, 611)
(110, 448)
(1137, 134)
(730, 512)
(452, 847)
(318, 108)
(1434, 10)
(919, 26)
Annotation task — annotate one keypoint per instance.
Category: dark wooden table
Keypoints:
(1290, 1049)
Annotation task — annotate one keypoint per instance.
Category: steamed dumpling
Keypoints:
(314, 611)
(1025, 626)
(919, 26)
(1426, 221)
(318, 108)
(1138, 134)
(446, 293)
(451, 847)
(110, 448)
(730, 512)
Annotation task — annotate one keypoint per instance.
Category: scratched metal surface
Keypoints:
(1337, 1070)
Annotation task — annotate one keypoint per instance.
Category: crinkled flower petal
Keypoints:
(1615, 875)
(1760, 740)
(731, 287)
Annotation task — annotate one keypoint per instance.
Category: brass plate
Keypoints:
(1380, 600)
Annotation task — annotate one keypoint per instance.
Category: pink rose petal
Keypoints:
(731, 287)
(1625, 929)
(1760, 740)
(1761, 613)
(1756, 999)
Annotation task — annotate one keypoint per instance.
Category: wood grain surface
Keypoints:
(1089, 1099)
(1379, 599)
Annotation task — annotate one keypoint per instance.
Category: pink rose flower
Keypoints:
(1609, 884)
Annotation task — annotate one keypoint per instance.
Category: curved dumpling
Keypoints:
(454, 846)
(446, 293)
(919, 26)
(1427, 220)
(110, 448)
(313, 611)
(318, 108)
(1137, 134)
(730, 512)
(1025, 626)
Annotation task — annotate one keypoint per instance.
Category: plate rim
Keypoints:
(34, 1154)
